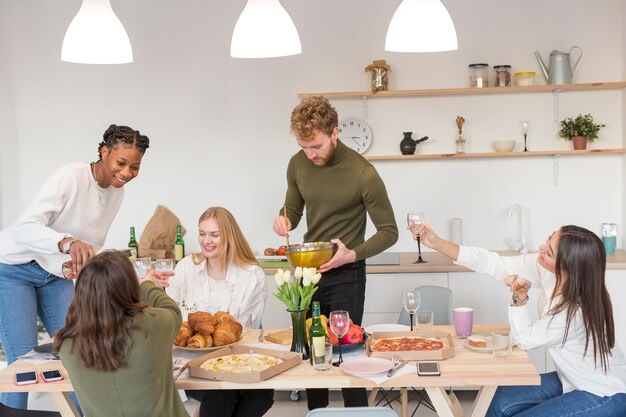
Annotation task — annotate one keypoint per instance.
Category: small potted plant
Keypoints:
(580, 130)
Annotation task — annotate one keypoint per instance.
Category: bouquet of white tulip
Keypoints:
(296, 292)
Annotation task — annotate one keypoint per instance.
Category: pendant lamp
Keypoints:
(264, 30)
(96, 36)
(421, 26)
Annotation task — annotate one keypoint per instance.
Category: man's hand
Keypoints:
(342, 256)
(282, 225)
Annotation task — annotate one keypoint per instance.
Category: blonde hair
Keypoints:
(313, 114)
(234, 247)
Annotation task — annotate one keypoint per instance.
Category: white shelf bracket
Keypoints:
(555, 169)
(555, 105)
(364, 103)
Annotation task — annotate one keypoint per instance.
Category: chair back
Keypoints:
(436, 299)
(6, 411)
(353, 412)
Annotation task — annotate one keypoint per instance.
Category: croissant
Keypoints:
(199, 341)
(226, 333)
(223, 316)
(202, 322)
(184, 333)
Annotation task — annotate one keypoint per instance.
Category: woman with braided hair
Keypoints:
(68, 219)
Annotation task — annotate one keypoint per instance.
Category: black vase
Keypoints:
(407, 145)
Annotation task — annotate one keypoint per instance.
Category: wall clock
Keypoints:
(355, 134)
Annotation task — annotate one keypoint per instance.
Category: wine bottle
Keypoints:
(179, 245)
(317, 336)
(133, 247)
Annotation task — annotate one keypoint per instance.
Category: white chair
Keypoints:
(353, 411)
(439, 301)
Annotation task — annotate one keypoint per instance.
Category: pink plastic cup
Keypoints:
(463, 321)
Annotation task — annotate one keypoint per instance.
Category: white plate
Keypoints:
(386, 328)
(366, 366)
(486, 349)
(272, 258)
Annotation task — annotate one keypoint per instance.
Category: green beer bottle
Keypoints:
(179, 245)
(317, 336)
(133, 247)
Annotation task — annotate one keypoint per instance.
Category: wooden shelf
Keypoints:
(472, 91)
(495, 154)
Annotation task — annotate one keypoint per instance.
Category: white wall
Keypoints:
(220, 126)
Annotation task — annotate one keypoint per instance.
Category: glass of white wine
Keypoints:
(142, 266)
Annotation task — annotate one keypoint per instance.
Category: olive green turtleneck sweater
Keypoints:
(338, 196)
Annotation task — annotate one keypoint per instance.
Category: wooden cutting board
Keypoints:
(282, 337)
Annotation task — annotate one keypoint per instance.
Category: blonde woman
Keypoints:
(225, 276)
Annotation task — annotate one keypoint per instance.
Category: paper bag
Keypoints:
(157, 239)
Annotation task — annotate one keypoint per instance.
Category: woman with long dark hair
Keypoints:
(117, 342)
(68, 220)
(575, 324)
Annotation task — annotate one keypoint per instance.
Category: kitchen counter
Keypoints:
(437, 262)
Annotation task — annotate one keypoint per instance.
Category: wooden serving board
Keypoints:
(282, 337)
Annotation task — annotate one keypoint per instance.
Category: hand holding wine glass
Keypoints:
(411, 302)
(414, 220)
(339, 324)
(164, 269)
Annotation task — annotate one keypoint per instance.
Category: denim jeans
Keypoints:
(27, 291)
(548, 400)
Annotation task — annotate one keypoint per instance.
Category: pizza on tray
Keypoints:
(410, 343)
(241, 363)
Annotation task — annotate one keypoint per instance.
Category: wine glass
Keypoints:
(164, 265)
(339, 324)
(414, 220)
(525, 127)
(411, 302)
(142, 265)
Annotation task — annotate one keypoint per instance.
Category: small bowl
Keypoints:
(310, 255)
(503, 145)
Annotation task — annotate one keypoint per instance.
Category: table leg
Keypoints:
(404, 395)
(372, 398)
(65, 404)
(445, 406)
(483, 400)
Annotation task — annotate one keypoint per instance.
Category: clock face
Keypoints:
(355, 134)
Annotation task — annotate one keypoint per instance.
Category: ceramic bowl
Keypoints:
(503, 145)
(310, 255)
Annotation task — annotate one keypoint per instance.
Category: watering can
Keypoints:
(561, 70)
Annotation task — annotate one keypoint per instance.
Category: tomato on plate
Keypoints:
(281, 251)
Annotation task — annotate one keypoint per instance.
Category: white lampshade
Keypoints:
(421, 26)
(96, 36)
(264, 30)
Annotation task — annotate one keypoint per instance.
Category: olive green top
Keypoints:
(145, 386)
(338, 196)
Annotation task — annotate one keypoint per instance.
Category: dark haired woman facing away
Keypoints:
(575, 324)
(117, 342)
(69, 218)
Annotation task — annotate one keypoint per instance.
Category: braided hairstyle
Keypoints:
(126, 135)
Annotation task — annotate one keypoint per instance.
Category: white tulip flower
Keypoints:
(287, 276)
(306, 281)
(316, 278)
(298, 273)
(307, 273)
(279, 277)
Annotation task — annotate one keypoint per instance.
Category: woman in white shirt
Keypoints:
(224, 277)
(575, 324)
(68, 219)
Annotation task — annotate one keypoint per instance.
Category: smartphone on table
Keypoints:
(428, 369)
(51, 376)
(25, 378)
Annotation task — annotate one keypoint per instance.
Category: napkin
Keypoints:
(157, 239)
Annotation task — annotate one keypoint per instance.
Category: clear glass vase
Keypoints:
(298, 338)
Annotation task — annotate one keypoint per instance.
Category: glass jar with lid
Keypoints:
(478, 75)
(502, 75)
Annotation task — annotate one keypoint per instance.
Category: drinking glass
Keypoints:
(414, 220)
(411, 302)
(424, 320)
(339, 324)
(142, 265)
(524, 127)
(164, 265)
(502, 347)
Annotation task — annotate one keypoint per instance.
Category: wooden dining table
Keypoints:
(466, 369)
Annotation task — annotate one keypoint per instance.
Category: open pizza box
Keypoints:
(414, 355)
(289, 360)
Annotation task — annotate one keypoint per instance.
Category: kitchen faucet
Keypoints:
(518, 245)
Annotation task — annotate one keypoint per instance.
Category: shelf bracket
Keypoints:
(364, 103)
(555, 169)
(555, 105)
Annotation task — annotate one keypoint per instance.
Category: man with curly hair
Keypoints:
(339, 189)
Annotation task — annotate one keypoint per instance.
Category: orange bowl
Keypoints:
(310, 255)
